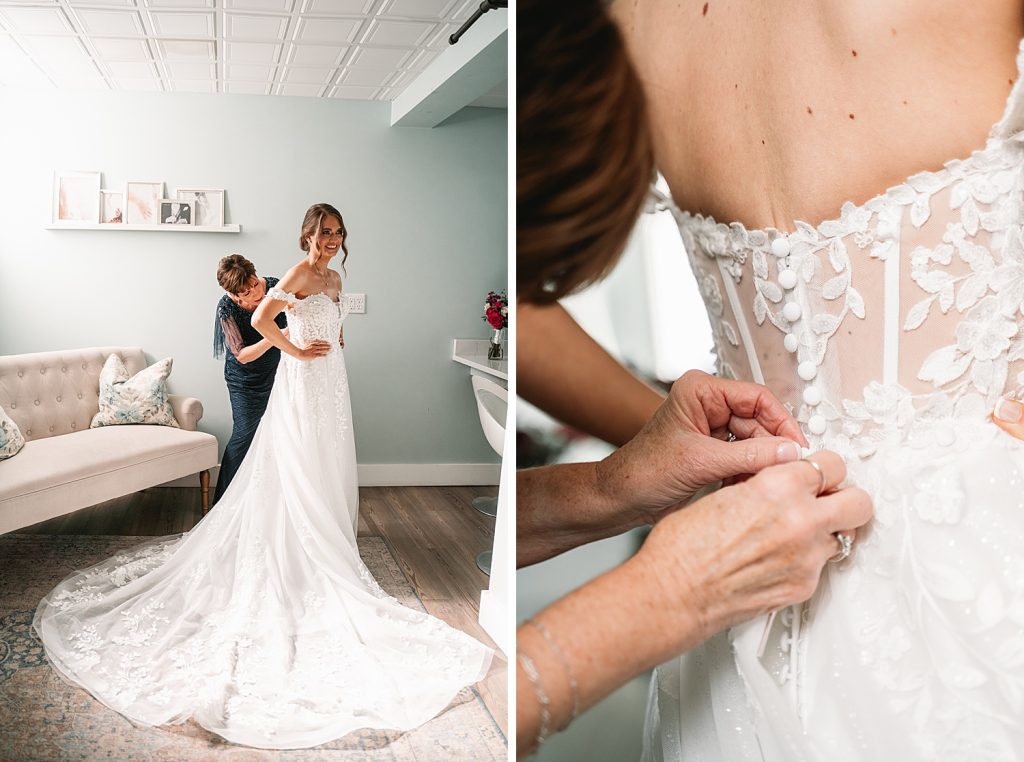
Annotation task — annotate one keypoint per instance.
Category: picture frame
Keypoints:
(141, 200)
(207, 205)
(76, 197)
(111, 207)
(175, 212)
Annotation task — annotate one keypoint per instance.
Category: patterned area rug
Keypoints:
(44, 718)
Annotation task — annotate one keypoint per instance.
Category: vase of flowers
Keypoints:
(496, 316)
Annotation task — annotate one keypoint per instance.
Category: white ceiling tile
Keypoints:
(37, 20)
(399, 33)
(56, 51)
(418, 9)
(139, 85)
(186, 50)
(292, 89)
(112, 23)
(108, 3)
(466, 9)
(121, 50)
(422, 59)
(439, 41)
(366, 77)
(380, 58)
(337, 7)
(251, 72)
(182, 24)
(351, 92)
(193, 86)
(334, 31)
(17, 69)
(77, 76)
(252, 27)
(253, 52)
(191, 70)
(274, 6)
(315, 55)
(403, 79)
(180, 3)
(306, 75)
(247, 88)
(130, 70)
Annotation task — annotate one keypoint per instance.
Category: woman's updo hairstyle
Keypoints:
(234, 272)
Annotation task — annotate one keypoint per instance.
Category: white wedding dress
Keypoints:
(262, 623)
(890, 332)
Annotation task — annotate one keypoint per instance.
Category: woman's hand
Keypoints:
(1009, 416)
(742, 551)
(683, 447)
(754, 547)
(314, 350)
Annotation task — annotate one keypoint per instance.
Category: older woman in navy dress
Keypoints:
(250, 361)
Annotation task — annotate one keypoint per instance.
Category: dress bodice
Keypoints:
(314, 318)
(905, 308)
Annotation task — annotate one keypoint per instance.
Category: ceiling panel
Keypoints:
(352, 49)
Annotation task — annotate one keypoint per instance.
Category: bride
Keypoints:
(891, 324)
(262, 623)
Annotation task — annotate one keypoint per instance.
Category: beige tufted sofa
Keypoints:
(65, 465)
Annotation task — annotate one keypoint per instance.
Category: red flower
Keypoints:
(495, 319)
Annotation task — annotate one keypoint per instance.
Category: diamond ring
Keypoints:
(845, 547)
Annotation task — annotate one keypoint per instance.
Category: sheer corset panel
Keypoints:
(908, 305)
(317, 317)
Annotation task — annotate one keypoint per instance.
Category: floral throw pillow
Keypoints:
(11, 440)
(141, 398)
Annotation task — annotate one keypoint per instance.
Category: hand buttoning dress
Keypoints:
(262, 623)
(891, 332)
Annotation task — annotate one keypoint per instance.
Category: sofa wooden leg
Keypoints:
(204, 486)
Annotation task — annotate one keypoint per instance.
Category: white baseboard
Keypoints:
(428, 474)
(398, 475)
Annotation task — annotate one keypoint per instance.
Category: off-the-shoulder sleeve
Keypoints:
(284, 296)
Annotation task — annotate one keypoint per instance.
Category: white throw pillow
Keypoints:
(11, 440)
(141, 398)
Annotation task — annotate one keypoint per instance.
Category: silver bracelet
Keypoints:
(573, 686)
(542, 697)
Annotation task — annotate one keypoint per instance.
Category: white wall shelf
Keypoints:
(161, 228)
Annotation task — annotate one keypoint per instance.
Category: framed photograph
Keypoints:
(175, 212)
(76, 196)
(141, 202)
(207, 205)
(111, 207)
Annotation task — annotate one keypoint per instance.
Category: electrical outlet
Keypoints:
(356, 303)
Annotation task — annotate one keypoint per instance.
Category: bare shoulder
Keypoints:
(294, 281)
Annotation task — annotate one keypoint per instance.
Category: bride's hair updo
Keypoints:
(314, 219)
(233, 273)
(584, 158)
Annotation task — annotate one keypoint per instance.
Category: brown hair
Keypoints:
(584, 157)
(233, 273)
(311, 224)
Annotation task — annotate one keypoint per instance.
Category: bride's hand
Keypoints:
(683, 447)
(314, 350)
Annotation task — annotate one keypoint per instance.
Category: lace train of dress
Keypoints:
(890, 333)
(262, 623)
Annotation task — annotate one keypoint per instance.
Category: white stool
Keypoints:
(492, 406)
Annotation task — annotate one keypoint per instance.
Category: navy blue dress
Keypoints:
(249, 384)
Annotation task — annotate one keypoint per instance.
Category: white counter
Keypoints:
(473, 352)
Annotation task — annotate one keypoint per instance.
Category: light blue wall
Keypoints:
(425, 210)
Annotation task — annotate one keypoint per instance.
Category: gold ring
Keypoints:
(821, 474)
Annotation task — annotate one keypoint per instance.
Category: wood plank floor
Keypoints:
(433, 532)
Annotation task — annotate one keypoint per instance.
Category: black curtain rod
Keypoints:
(486, 5)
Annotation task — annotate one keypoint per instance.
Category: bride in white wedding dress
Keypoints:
(891, 330)
(262, 623)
